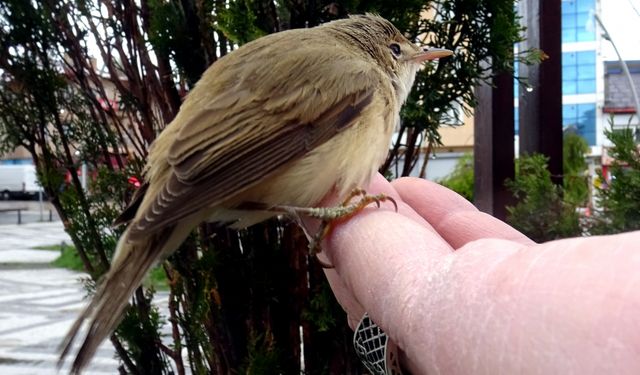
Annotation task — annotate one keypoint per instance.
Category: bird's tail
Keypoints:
(131, 263)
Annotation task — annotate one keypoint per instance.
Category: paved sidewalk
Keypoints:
(38, 303)
(30, 212)
(17, 242)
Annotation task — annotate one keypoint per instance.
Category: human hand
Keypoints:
(461, 292)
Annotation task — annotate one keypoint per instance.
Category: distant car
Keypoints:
(18, 181)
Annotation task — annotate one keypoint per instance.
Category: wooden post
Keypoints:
(540, 106)
(494, 145)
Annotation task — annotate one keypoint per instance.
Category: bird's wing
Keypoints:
(254, 121)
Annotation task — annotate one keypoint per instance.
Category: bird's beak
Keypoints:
(430, 54)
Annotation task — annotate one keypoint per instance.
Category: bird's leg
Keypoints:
(328, 215)
(354, 193)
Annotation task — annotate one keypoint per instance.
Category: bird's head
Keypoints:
(378, 39)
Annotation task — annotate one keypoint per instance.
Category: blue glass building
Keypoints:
(579, 72)
(575, 16)
(579, 68)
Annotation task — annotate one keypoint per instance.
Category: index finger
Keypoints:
(456, 219)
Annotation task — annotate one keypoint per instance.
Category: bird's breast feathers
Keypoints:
(347, 161)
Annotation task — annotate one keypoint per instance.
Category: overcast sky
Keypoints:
(623, 23)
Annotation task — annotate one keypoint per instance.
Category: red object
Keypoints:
(620, 110)
(108, 104)
(133, 180)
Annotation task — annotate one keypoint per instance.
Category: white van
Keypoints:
(18, 181)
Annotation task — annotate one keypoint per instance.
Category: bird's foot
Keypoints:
(329, 216)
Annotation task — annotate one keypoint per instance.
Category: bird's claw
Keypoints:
(343, 212)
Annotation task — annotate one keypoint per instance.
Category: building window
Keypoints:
(634, 130)
(576, 16)
(582, 117)
(579, 72)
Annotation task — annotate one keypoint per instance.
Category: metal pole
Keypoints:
(493, 147)
(625, 68)
(540, 103)
(84, 176)
(41, 204)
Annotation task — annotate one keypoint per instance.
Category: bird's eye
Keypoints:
(395, 49)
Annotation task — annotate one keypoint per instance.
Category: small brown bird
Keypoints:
(281, 121)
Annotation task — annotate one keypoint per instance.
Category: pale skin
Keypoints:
(461, 292)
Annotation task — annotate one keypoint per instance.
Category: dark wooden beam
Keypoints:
(494, 145)
(540, 107)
